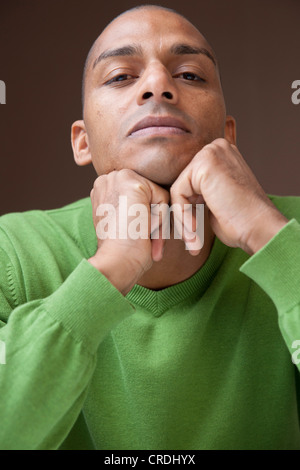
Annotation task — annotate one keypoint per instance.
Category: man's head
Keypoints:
(152, 96)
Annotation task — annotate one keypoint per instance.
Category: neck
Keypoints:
(177, 264)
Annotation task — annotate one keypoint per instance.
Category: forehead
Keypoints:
(149, 27)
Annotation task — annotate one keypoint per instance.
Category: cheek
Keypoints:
(100, 128)
(209, 111)
(105, 124)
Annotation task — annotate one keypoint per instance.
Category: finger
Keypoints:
(159, 195)
(157, 248)
(160, 221)
(189, 224)
(184, 223)
(194, 246)
(160, 229)
(193, 237)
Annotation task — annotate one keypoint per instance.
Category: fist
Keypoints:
(116, 197)
(238, 206)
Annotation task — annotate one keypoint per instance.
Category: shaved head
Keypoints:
(91, 53)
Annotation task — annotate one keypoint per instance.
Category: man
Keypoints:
(152, 343)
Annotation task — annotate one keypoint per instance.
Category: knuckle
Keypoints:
(212, 154)
(221, 142)
(211, 148)
(215, 151)
(98, 181)
(126, 173)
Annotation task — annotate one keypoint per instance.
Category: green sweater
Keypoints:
(204, 364)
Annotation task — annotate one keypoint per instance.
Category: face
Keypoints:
(153, 97)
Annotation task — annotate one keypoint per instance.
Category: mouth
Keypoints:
(158, 125)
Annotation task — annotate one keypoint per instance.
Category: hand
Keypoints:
(241, 214)
(119, 257)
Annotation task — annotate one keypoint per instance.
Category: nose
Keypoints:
(157, 84)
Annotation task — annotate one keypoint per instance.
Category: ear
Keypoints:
(80, 144)
(230, 130)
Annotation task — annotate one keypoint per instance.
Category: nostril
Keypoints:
(168, 95)
(147, 95)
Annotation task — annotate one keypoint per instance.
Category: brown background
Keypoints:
(43, 45)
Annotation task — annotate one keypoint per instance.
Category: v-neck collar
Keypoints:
(159, 301)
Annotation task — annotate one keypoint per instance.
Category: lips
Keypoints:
(147, 125)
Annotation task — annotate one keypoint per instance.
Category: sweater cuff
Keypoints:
(276, 267)
(88, 305)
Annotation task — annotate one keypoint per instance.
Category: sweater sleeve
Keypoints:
(276, 269)
(48, 353)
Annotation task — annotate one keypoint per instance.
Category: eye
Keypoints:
(191, 77)
(120, 78)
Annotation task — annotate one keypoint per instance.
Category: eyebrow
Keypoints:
(119, 52)
(185, 49)
(133, 50)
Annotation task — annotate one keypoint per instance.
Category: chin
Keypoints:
(162, 172)
(165, 178)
